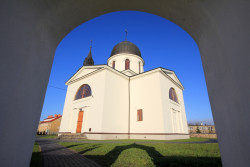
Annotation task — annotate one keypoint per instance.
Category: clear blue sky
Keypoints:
(161, 42)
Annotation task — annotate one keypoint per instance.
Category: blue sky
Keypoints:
(161, 42)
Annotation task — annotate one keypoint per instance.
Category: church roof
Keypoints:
(88, 60)
(126, 47)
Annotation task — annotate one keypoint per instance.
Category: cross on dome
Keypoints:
(126, 31)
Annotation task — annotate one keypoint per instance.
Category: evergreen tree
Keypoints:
(198, 130)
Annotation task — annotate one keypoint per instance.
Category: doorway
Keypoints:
(79, 122)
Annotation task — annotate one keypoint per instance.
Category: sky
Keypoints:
(161, 42)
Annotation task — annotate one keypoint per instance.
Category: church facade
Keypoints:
(121, 101)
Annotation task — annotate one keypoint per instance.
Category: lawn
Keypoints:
(36, 159)
(149, 154)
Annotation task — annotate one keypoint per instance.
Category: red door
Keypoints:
(79, 122)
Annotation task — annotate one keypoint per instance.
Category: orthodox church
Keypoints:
(121, 101)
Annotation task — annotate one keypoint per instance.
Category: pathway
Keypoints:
(137, 142)
(55, 155)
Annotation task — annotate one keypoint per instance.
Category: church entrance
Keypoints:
(79, 122)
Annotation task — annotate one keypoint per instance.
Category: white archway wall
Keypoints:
(31, 31)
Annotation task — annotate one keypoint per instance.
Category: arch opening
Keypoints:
(158, 59)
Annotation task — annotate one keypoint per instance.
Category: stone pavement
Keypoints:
(55, 155)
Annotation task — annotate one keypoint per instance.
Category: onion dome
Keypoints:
(126, 47)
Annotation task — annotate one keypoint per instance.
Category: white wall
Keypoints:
(109, 96)
(151, 93)
(120, 62)
(92, 106)
(116, 104)
(145, 94)
(169, 105)
(107, 110)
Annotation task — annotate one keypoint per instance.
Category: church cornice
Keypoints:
(80, 78)
(98, 69)
(177, 79)
(129, 71)
(171, 79)
(82, 68)
(159, 69)
(120, 73)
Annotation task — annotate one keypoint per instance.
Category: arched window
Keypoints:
(127, 62)
(172, 95)
(113, 64)
(83, 91)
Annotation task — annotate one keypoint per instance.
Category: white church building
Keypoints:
(121, 101)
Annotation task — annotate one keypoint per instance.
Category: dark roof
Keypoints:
(126, 47)
(88, 60)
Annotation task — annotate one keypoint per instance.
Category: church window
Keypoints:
(127, 64)
(139, 115)
(83, 91)
(113, 64)
(172, 95)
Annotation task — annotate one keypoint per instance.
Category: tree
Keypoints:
(198, 130)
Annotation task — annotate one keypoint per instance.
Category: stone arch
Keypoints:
(223, 41)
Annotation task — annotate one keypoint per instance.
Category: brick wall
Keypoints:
(203, 135)
(51, 127)
(202, 128)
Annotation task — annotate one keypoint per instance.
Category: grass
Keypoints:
(47, 136)
(36, 159)
(150, 154)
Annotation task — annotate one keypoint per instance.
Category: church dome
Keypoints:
(126, 47)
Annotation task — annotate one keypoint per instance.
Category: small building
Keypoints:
(201, 129)
(50, 125)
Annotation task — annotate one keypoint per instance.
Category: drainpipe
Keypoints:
(129, 108)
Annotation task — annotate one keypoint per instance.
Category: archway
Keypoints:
(32, 31)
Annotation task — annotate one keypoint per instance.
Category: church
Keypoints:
(119, 100)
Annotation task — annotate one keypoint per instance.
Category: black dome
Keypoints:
(126, 47)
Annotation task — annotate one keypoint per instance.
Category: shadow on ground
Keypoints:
(156, 158)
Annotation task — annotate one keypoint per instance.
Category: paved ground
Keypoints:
(55, 155)
(137, 142)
